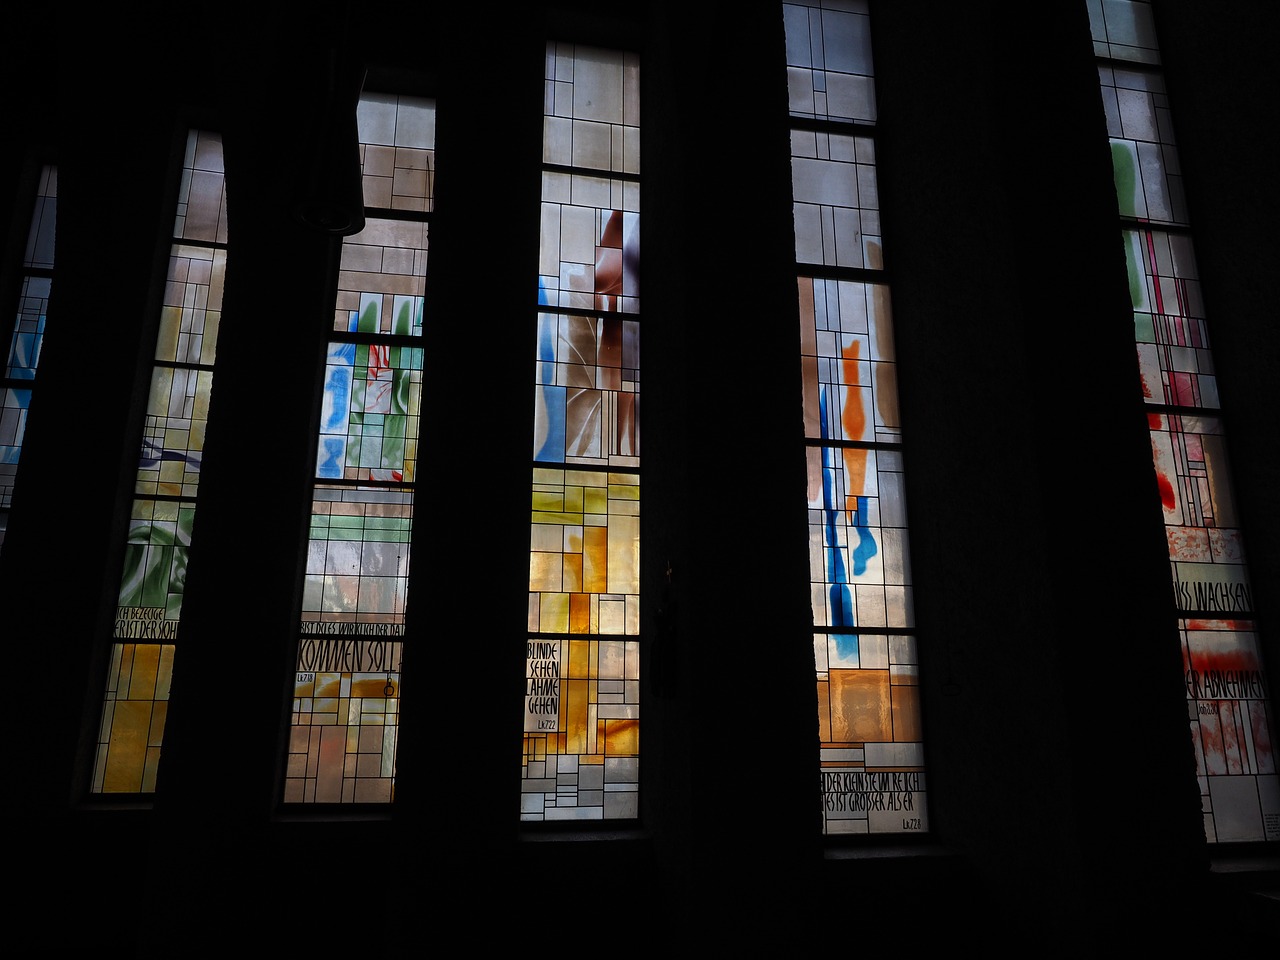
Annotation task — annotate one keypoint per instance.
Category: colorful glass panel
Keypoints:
(1231, 726)
(590, 243)
(162, 517)
(582, 694)
(346, 702)
(588, 386)
(1232, 720)
(869, 717)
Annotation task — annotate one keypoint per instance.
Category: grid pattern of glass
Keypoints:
(27, 335)
(1232, 726)
(588, 385)
(163, 512)
(872, 751)
(582, 703)
(835, 203)
(342, 743)
(397, 152)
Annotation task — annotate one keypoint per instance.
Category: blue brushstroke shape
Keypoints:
(866, 548)
(552, 397)
(337, 410)
(153, 454)
(840, 598)
(331, 456)
(338, 385)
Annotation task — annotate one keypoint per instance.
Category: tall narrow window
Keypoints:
(581, 728)
(342, 746)
(1230, 714)
(872, 755)
(28, 332)
(163, 512)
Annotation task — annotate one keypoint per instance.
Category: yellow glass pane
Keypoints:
(127, 746)
(595, 559)
(622, 738)
(554, 613)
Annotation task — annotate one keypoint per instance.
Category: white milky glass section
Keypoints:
(1123, 30)
(397, 151)
(592, 111)
(829, 70)
(835, 201)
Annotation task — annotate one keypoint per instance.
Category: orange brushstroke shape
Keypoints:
(854, 419)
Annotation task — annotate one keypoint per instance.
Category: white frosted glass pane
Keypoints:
(376, 118)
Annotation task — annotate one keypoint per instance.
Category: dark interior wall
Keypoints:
(1061, 782)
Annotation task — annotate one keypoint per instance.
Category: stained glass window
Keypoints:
(1230, 716)
(869, 717)
(342, 744)
(163, 512)
(582, 704)
(27, 335)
